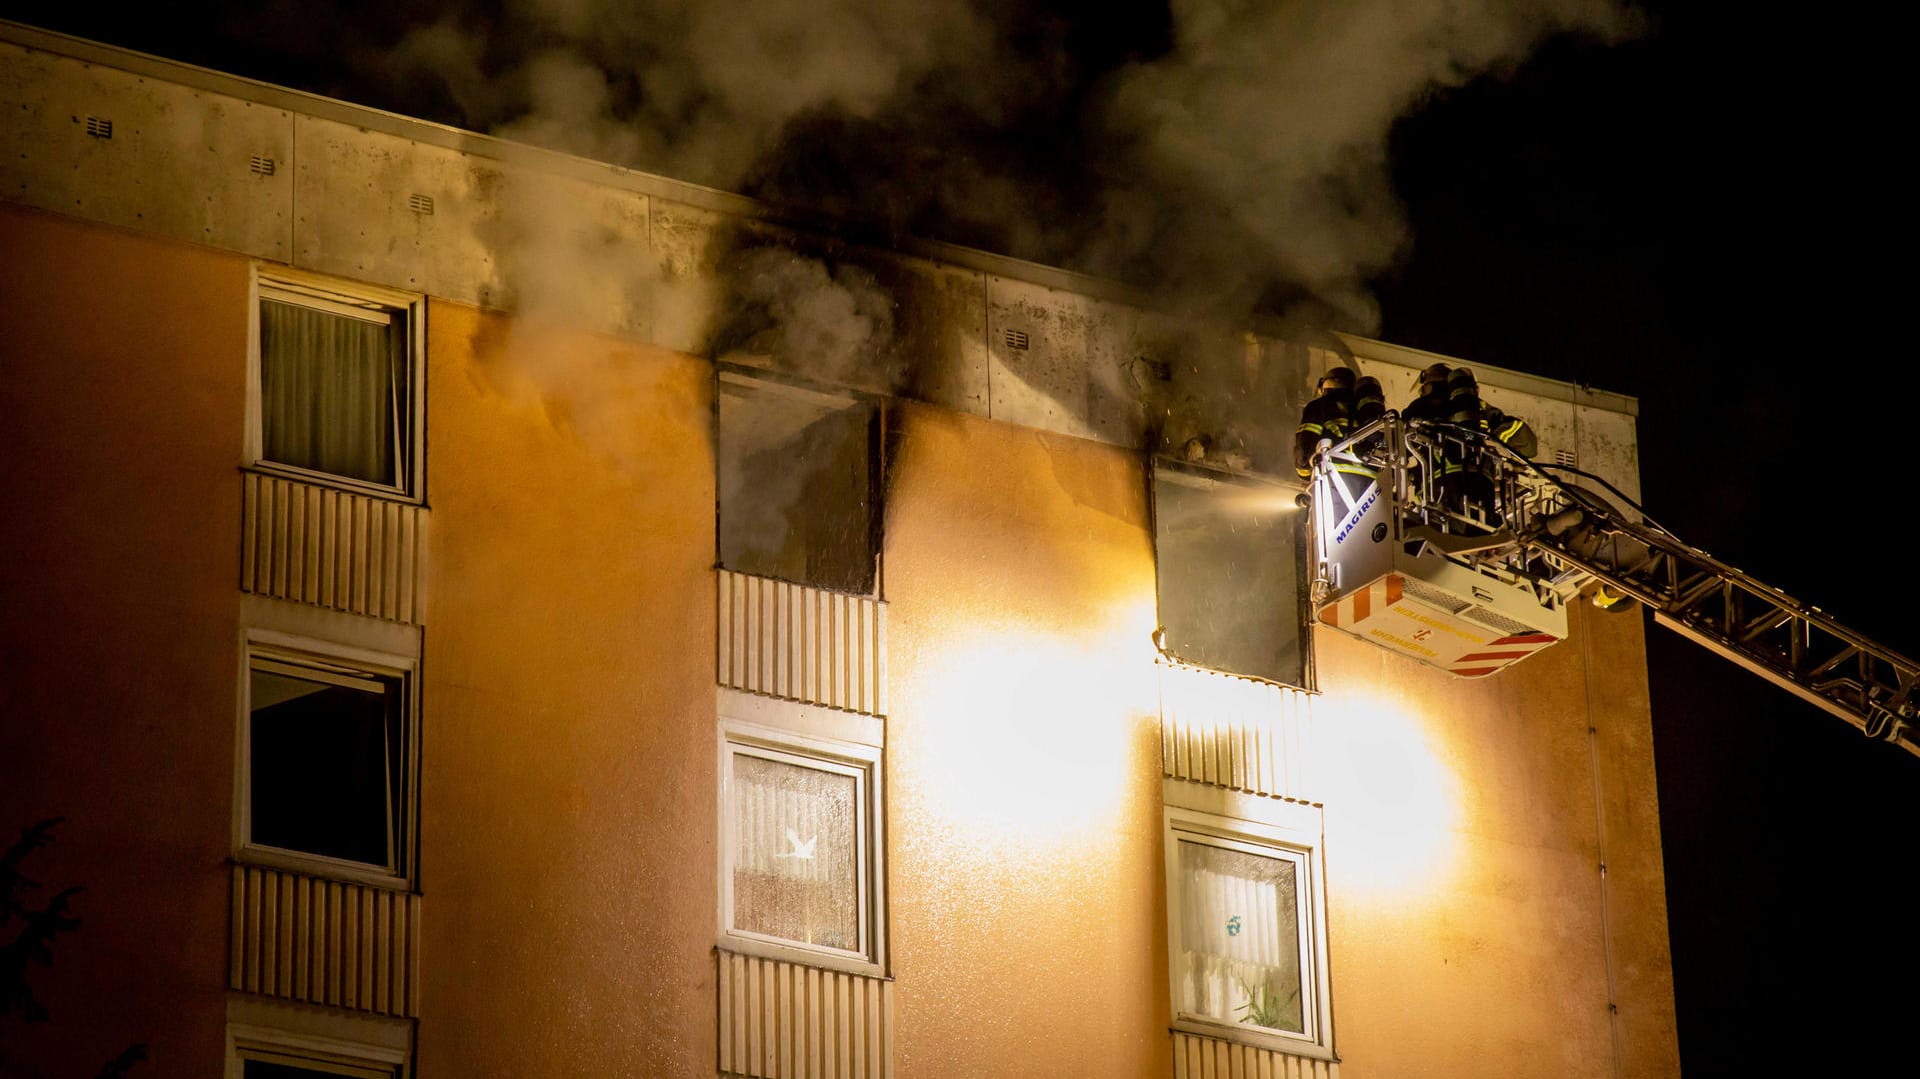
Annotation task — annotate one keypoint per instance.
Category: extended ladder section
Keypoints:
(1446, 546)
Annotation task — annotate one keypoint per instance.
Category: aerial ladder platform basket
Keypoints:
(1475, 574)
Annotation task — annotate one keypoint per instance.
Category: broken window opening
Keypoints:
(799, 483)
(1230, 551)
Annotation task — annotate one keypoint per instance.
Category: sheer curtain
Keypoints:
(1239, 947)
(794, 872)
(332, 391)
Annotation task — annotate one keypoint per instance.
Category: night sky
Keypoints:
(1703, 217)
(1696, 219)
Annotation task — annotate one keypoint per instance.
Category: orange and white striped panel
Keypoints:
(1383, 614)
(1500, 653)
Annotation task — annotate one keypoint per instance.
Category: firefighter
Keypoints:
(1466, 409)
(1369, 402)
(1329, 415)
(1429, 404)
(1464, 482)
(1432, 401)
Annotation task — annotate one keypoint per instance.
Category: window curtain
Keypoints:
(794, 872)
(1239, 948)
(332, 392)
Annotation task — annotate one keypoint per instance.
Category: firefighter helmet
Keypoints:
(1337, 378)
(1368, 400)
(1434, 376)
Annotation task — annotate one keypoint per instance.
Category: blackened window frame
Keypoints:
(753, 380)
(1193, 473)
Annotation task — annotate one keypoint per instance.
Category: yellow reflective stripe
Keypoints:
(1304, 473)
(1310, 428)
(1511, 430)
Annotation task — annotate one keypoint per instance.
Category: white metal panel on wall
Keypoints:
(332, 548)
(145, 154)
(1236, 733)
(376, 207)
(1608, 446)
(325, 942)
(803, 644)
(782, 1020)
(379, 208)
(1196, 1056)
(1036, 362)
(940, 331)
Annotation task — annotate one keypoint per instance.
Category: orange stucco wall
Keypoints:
(122, 384)
(567, 845)
(568, 799)
(1023, 756)
(1463, 852)
(1462, 837)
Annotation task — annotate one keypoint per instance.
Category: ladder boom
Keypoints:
(1523, 526)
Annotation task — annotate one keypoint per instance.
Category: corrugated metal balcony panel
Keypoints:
(1236, 733)
(331, 548)
(782, 1020)
(1196, 1056)
(324, 942)
(803, 644)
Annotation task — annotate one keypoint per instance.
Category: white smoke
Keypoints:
(1269, 123)
(834, 324)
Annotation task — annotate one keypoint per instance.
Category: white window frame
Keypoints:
(345, 664)
(1269, 828)
(359, 300)
(807, 737)
(324, 1040)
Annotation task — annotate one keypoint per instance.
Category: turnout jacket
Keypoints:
(1328, 416)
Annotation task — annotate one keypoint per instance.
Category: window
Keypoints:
(1230, 553)
(800, 876)
(799, 483)
(268, 1064)
(328, 763)
(1246, 927)
(336, 382)
(274, 1039)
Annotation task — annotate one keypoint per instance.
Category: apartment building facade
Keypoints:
(475, 615)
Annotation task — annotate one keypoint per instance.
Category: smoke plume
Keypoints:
(1229, 155)
(1229, 152)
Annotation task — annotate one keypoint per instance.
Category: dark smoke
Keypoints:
(1228, 153)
